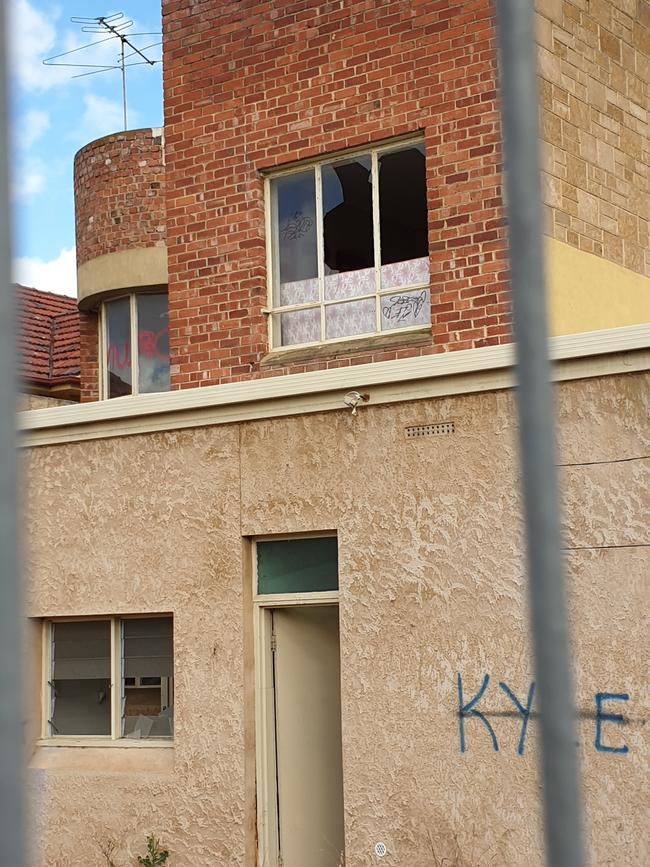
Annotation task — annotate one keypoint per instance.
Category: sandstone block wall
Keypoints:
(594, 60)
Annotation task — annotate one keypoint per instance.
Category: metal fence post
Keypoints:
(11, 711)
(519, 95)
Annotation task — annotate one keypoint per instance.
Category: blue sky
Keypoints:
(53, 115)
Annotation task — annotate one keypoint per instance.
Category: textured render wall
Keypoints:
(255, 85)
(119, 191)
(431, 586)
(154, 527)
(594, 58)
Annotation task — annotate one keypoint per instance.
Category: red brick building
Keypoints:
(277, 610)
(340, 87)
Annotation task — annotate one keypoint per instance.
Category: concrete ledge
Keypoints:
(600, 353)
(127, 269)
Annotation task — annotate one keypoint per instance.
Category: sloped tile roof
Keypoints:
(48, 338)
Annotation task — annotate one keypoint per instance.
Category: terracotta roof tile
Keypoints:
(48, 337)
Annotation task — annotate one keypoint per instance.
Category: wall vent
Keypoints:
(439, 429)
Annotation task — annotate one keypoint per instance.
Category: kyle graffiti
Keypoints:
(604, 718)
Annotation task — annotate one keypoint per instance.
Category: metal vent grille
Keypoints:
(439, 429)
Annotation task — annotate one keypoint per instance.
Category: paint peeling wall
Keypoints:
(431, 587)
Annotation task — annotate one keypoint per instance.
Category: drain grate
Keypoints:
(439, 429)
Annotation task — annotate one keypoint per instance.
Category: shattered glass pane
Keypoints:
(81, 698)
(147, 678)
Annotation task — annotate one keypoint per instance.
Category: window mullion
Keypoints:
(116, 678)
(320, 247)
(48, 678)
(135, 385)
(103, 353)
(271, 256)
(376, 236)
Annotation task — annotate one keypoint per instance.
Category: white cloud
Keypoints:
(29, 127)
(101, 116)
(32, 37)
(58, 275)
(28, 181)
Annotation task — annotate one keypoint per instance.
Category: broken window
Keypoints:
(350, 254)
(80, 698)
(88, 659)
(147, 683)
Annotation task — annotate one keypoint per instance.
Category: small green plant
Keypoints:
(107, 847)
(155, 855)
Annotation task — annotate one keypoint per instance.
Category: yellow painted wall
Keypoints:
(588, 293)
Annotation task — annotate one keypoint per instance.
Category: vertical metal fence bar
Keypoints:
(518, 83)
(11, 741)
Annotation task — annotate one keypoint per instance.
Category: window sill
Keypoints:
(107, 743)
(98, 755)
(281, 357)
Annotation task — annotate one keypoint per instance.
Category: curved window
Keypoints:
(135, 345)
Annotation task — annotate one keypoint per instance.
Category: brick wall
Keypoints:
(89, 356)
(595, 92)
(119, 185)
(254, 85)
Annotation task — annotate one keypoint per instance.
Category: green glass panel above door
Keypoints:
(298, 565)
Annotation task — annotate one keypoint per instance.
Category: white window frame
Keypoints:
(265, 751)
(116, 687)
(133, 333)
(273, 269)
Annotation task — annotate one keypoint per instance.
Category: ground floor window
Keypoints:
(110, 677)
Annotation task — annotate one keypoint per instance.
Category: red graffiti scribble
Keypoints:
(114, 360)
(119, 355)
(148, 344)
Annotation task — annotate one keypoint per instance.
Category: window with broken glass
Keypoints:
(86, 659)
(349, 247)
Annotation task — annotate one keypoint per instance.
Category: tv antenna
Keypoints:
(111, 27)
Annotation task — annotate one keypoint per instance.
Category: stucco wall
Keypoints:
(431, 587)
(39, 401)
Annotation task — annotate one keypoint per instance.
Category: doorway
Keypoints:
(308, 735)
(299, 746)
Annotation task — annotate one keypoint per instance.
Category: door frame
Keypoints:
(265, 748)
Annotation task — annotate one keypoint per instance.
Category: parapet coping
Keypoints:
(575, 356)
(156, 132)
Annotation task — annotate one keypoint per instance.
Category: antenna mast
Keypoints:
(111, 27)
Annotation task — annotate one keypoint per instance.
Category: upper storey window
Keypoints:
(349, 247)
(135, 345)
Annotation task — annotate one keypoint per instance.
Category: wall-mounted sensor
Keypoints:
(354, 398)
(380, 849)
